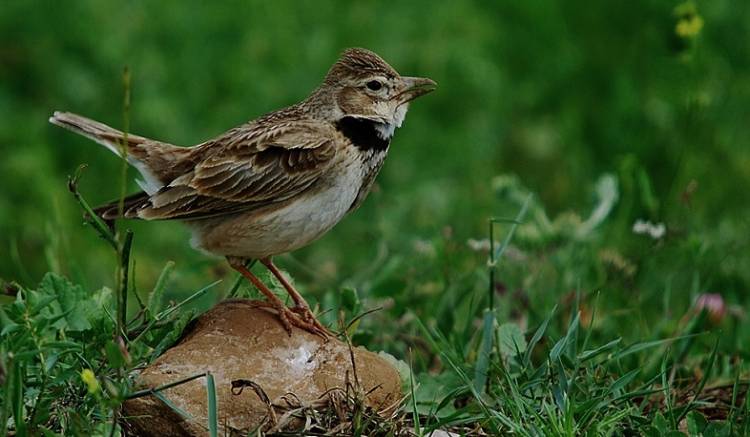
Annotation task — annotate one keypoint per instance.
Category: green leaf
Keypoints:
(71, 300)
(6, 324)
(651, 431)
(717, 429)
(37, 301)
(114, 355)
(660, 423)
(511, 339)
(696, 423)
(155, 297)
(101, 299)
(401, 367)
(434, 394)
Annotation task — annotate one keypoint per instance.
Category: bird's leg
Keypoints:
(299, 301)
(300, 305)
(288, 317)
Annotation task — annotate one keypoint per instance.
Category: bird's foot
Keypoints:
(307, 316)
(300, 317)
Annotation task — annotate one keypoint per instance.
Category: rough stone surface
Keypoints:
(238, 341)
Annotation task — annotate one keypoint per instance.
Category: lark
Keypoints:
(276, 183)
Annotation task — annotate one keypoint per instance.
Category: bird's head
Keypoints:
(362, 85)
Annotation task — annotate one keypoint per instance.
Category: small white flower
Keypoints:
(653, 230)
(424, 247)
(482, 245)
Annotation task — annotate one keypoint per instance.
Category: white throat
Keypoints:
(386, 130)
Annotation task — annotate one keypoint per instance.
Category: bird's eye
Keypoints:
(374, 85)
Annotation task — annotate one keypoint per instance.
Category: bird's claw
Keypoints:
(302, 318)
(308, 317)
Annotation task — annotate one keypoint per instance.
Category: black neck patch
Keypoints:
(362, 133)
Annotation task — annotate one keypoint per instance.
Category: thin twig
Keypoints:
(88, 213)
(122, 298)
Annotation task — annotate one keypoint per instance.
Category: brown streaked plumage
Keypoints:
(276, 183)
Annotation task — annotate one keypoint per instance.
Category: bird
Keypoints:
(273, 184)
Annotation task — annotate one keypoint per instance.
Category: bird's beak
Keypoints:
(415, 87)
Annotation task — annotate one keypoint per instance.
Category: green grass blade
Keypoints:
(17, 400)
(485, 350)
(593, 353)
(702, 384)
(164, 314)
(213, 414)
(7, 397)
(149, 391)
(538, 336)
(561, 344)
(172, 406)
(412, 390)
(641, 346)
(623, 381)
(519, 219)
(666, 388)
(733, 406)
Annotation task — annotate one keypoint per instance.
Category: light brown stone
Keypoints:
(236, 341)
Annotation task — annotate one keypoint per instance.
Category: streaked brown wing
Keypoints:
(246, 168)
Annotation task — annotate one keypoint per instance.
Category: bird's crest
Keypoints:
(359, 62)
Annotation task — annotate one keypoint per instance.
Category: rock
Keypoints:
(237, 341)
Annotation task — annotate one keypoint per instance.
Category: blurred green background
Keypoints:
(656, 93)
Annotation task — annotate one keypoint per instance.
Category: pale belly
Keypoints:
(284, 227)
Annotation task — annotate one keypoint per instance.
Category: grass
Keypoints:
(68, 363)
(567, 319)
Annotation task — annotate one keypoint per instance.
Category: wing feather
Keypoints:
(248, 167)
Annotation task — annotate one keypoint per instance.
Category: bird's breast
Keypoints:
(290, 225)
(371, 163)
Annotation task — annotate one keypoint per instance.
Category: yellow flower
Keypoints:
(689, 22)
(689, 27)
(88, 377)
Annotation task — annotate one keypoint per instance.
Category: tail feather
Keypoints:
(159, 163)
(109, 137)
